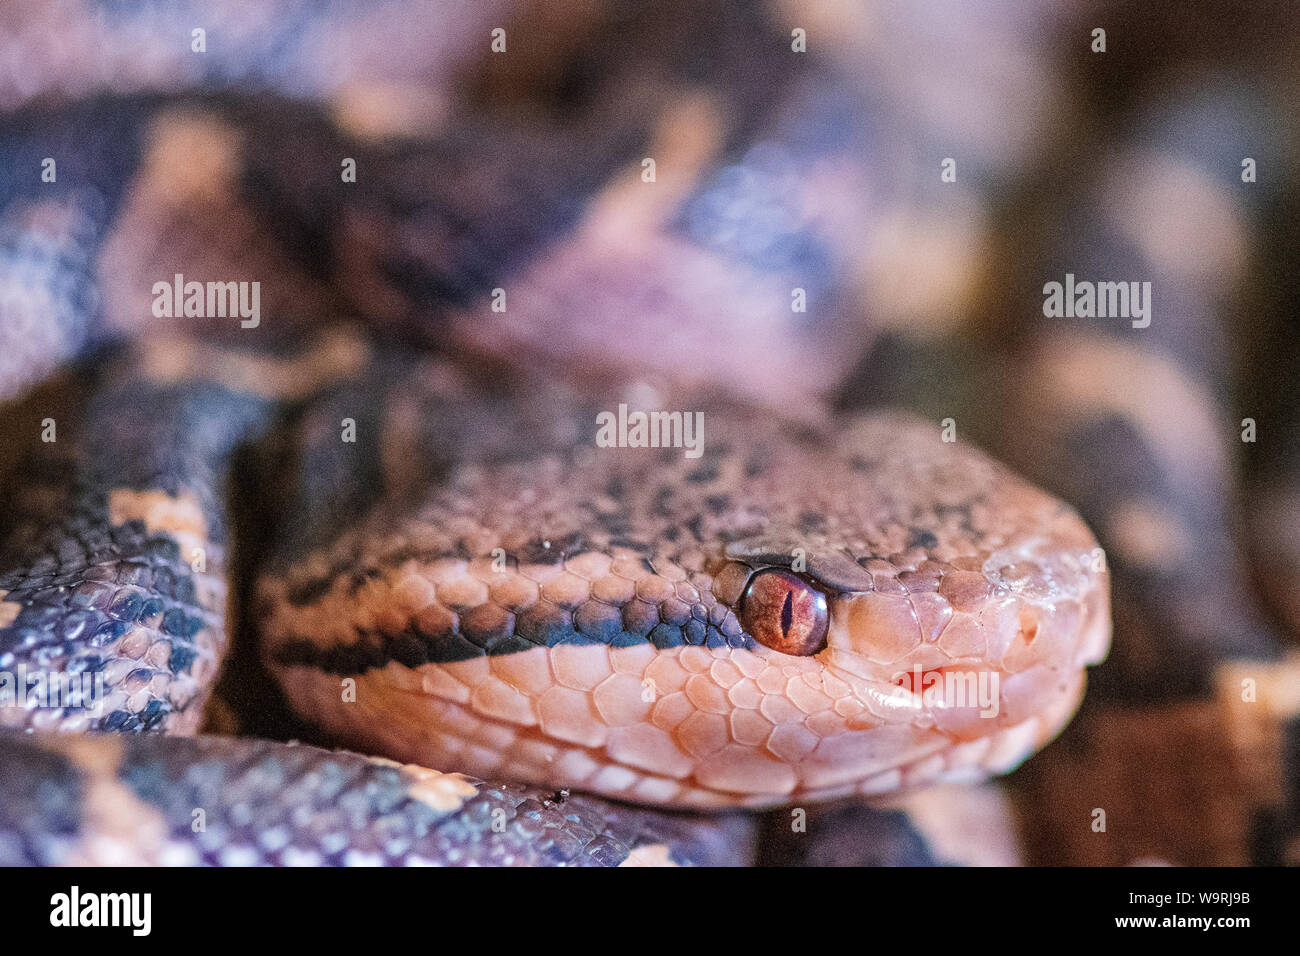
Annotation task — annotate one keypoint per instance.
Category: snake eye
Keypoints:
(785, 613)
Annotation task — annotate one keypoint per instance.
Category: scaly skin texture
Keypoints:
(212, 801)
(602, 648)
(112, 573)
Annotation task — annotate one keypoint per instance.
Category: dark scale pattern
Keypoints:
(544, 627)
(267, 803)
(103, 599)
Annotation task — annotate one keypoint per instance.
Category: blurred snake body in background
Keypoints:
(374, 513)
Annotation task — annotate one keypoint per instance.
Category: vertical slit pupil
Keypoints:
(787, 613)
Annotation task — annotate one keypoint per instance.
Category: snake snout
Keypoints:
(974, 674)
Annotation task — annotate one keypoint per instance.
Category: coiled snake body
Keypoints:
(398, 488)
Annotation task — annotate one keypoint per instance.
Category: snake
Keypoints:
(380, 510)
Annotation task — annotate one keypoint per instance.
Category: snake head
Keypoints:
(792, 617)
